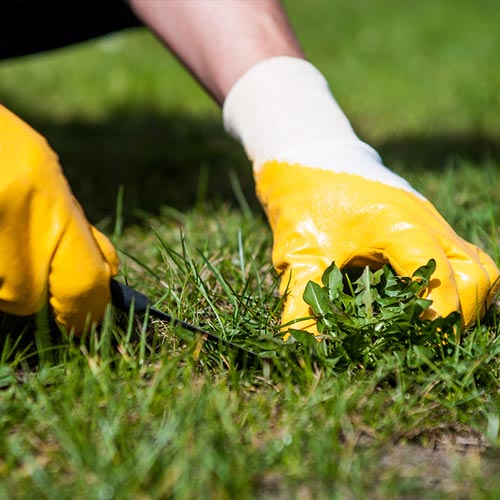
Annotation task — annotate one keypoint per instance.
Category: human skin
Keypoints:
(225, 43)
(222, 42)
(219, 40)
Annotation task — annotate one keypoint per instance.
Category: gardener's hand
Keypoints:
(48, 249)
(319, 216)
(329, 198)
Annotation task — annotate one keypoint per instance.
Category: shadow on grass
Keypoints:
(162, 159)
(173, 160)
(435, 152)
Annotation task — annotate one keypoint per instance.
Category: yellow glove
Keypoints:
(319, 216)
(48, 249)
(329, 198)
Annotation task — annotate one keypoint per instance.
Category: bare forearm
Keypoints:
(218, 40)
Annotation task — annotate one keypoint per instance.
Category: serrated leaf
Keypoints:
(333, 281)
(382, 313)
(317, 298)
(424, 303)
(377, 276)
(425, 272)
(364, 289)
(305, 338)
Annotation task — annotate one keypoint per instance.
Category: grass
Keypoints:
(136, 410)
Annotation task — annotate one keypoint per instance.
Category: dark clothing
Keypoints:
(29, 26)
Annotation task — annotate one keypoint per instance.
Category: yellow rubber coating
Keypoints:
(49, 251)
(319, 216)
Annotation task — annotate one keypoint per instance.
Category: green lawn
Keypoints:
(136, 410)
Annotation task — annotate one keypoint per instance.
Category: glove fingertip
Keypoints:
(107, 249)
(294, 317)
(80, 312)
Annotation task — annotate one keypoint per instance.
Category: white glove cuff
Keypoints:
(280, 103)
(282, 109)
(345, 157)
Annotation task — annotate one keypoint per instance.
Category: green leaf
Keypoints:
(333, 281)
(317, 298)
(365, 291)
(362, 326)
(425, 272)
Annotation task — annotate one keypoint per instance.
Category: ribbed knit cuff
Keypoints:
(280, 103)
(282, 109)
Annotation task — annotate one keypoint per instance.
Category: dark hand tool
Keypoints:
(123, 296)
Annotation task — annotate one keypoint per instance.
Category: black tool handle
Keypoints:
(123, 296)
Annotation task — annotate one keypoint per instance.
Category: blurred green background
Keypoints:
(419, 81)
